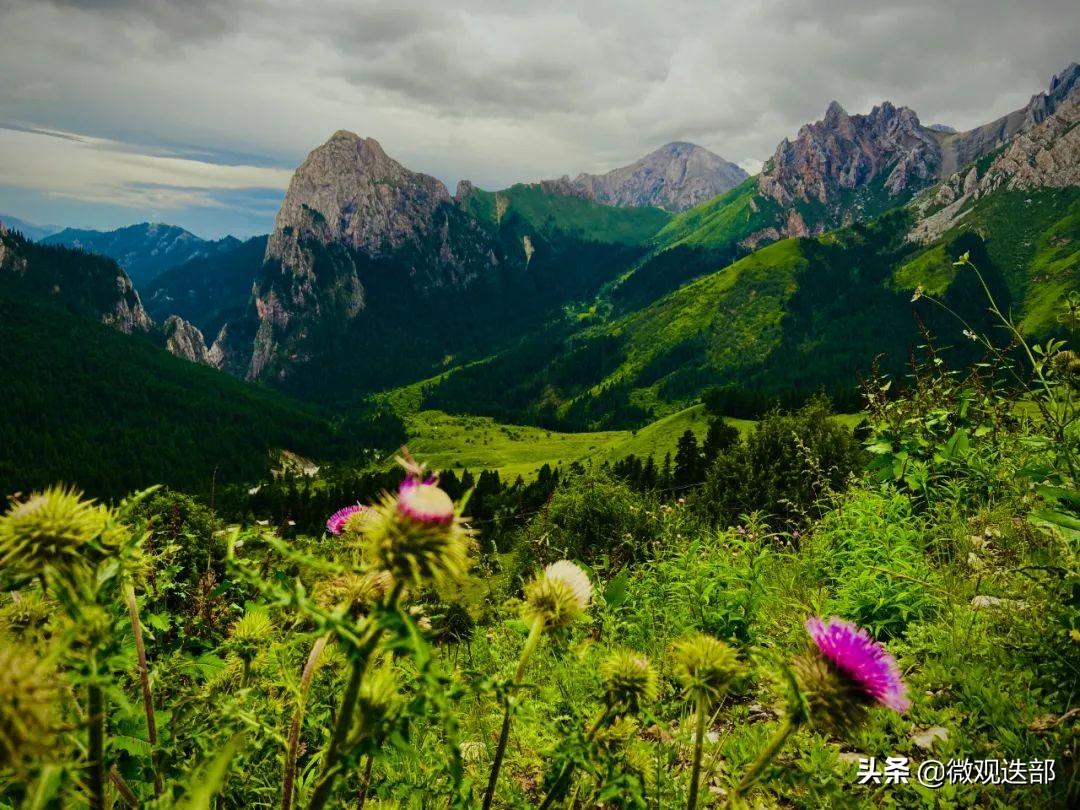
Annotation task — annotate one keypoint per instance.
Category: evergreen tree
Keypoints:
(689, 469)
(720, 437)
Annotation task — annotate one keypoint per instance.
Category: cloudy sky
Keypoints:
(195, 112)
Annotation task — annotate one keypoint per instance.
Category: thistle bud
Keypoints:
(337, 522)
(705, 667)
(378, 705)
(559, 595)
(50, 530)
(26, 697)
(250, 635)
(355, 593)
(416, 536)
(629, 682)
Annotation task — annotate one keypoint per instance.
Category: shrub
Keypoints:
(784, 468)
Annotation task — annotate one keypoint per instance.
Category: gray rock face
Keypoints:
(960, 149)
(675, 177)
(349, 191)
(127, 314)
(1045, 156)
(185, 340)
(850, 152)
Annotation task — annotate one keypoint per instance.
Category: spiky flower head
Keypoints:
(27, 691)
(852, 651)
(705, 667)
(629, 681)
(559, 595)
(846, 673)
(251, 634)
(53, 530)
(355, 593)
(412, 537)
(26, 612)
(337, 521)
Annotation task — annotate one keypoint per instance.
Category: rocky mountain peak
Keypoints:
(350, 191)
(850, 152)
(677, 176)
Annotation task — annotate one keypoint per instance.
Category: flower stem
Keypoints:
(764, 758)
(144, 680)
(699, 738)
(366, 783)
(95, 716)
(288, 779)
(535, 632)
(563, 781)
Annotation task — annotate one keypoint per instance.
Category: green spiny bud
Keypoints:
(705, 667)
(26, 696)
(629, 682)
(835, 703)
(559, 595)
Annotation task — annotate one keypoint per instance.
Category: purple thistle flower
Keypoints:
(424, 502)
(337, 521)
(864, 661)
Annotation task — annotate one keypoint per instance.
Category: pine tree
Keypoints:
(688, 467)
(720, 437)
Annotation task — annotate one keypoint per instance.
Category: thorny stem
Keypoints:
(367, 781)
(764, 758)
(699, 737)
(535, 632)
(122, 787)
(144, 680)
(288, 779)
(95, 765)
(331, 765)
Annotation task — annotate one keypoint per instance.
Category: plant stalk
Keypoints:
(699, 739)
(764, 758)
(535, 633)
(288, 779)
(144, 680)
(95, 766)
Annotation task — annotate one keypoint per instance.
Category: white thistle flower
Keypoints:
(576, 579)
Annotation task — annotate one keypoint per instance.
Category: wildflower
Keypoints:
(706, 668)
(356, 593)
(51, 530)
(846, 674)
(559, 595)
(417, 536)
(337, 521)
(26, 698)
(629, 682)
(424, 502)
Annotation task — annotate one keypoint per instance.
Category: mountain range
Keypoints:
(606, 300)
(144, 250)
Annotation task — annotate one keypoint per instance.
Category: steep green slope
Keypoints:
(209, 290)
(575, 217)
(723, 220)
(1032, 238)
(111, 412)
(796, 317)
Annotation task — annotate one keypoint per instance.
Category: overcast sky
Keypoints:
(195, 112)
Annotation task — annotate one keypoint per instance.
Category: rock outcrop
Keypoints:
(847, 152)
(185, 340)
(962, 148)
(675, 177)
(1046, 156)
(87, 284)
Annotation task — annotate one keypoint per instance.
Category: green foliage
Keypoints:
(86, 404)
(785, 467)
(576, 217)
(591, 518)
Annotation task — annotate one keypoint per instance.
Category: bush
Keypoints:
(591, 517)
(783, 469)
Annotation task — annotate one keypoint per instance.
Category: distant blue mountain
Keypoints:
(30, 230)
(145, 250)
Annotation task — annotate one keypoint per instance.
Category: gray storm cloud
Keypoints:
(505, 92)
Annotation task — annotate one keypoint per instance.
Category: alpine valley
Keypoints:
(604, 302)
